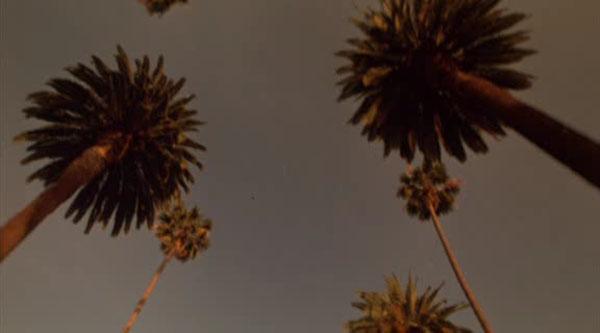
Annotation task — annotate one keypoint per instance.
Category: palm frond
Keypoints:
(427, 185)
(404, 310)
(185, 231)
(144, 110)
(393, 71)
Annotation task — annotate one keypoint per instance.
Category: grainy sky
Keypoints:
(304, 208)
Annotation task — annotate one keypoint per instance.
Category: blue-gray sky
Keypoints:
(304, 208)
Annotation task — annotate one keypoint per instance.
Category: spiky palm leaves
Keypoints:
(431, 71)
(402, 104)
(428, 185)
(140, 105)
(121, 134)
(404, 311)
(160, 6)
(429, 191)
(183, 234)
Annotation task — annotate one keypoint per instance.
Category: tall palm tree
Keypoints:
(183, 234)
(159, 6)
(435, 70)
(404, 311)
(429, 192)
(120, 135)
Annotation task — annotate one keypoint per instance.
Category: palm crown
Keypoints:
(397, 68)
(404, 311)
(160, 6)
(137, 110)
(185, 232)
(428, 185)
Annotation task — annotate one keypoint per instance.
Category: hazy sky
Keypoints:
(304, 208)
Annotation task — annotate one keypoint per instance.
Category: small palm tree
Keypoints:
(404, 311)
(159, 6)
(431, 71)
(428, 193)
(183, 234)
(119, 135)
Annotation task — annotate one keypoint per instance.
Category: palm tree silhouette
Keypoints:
(183, 234)
(119, 135)
(404, 311)
(159, 6)
(428, 193)
(435, 70)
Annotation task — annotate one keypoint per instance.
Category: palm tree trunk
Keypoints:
(148, 292)
(570, 147)
(485, 324)
(81, 171)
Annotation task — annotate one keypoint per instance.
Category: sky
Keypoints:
(304, 208)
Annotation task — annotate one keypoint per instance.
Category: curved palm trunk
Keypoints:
(148, 292)
(570, 147)
(485, 324)
(81, 171)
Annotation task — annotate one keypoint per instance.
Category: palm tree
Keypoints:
(159, 6)
(435, 70)
(404, 311)
(428, 193)
(119, 135)
(183, 234)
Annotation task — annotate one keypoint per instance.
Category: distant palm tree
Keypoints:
(183, 234)
(120, 135)
(159, 6)
(429, 192)
(404, 311)
(434, 70)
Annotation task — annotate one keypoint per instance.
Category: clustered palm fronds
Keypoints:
(187, 233)
(428, 185)
(139, 111)
(404, 311)
(160, 6)
(398, 71)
